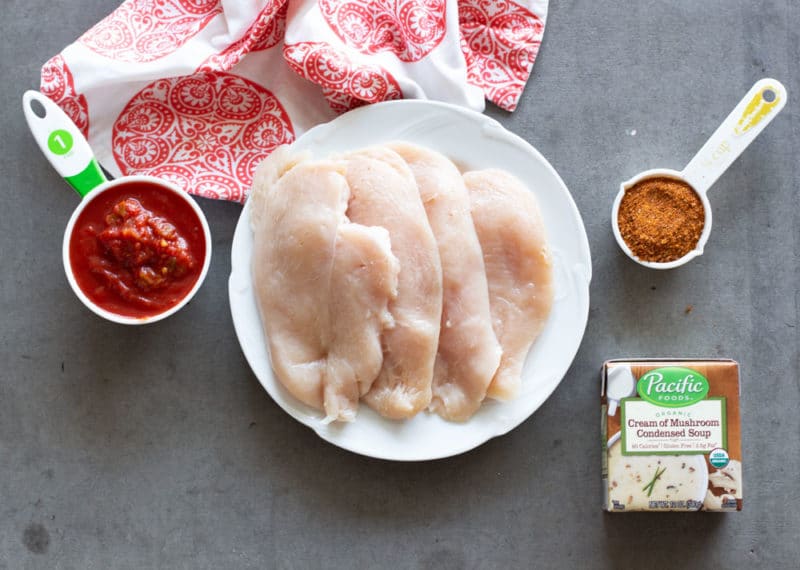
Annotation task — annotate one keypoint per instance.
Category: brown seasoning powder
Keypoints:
(661, 219)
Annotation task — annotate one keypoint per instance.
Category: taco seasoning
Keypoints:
(671, 437)
(661, 219)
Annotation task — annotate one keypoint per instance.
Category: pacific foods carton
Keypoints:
(671, 437)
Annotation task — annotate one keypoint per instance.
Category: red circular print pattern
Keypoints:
(345, 85)
(500, 40)
(145, 30)
(410, 29)
(58, 84)
(267, 30)
(206, 132)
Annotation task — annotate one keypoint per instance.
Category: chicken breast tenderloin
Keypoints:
(322, 284)
(384, 193)
(468, 353)
(363, 281)
(518, 268)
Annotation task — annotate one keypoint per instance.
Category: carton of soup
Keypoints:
(671, 437)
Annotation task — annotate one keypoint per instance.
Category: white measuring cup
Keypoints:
(69, 153)
(753, 113)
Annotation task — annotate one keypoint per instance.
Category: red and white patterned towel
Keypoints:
(200, 91)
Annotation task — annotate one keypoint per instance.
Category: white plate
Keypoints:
(472, 141)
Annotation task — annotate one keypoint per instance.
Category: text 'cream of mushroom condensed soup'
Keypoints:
(671, 436)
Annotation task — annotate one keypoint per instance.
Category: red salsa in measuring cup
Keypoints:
(137, 249)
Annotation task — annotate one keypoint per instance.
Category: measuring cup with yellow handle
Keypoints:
(753, 113)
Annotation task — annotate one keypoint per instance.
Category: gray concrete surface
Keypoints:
(181, 460)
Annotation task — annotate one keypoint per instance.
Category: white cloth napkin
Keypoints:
(200, 91)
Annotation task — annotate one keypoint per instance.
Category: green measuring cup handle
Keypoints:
(62, 143)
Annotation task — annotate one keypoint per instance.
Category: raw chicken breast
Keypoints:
(384, 194)
(468, 354)
(269, 171)
(322, 284)
(518, 268)
(295, 227)
(364, 279)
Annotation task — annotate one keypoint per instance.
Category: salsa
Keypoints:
(137, 249)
